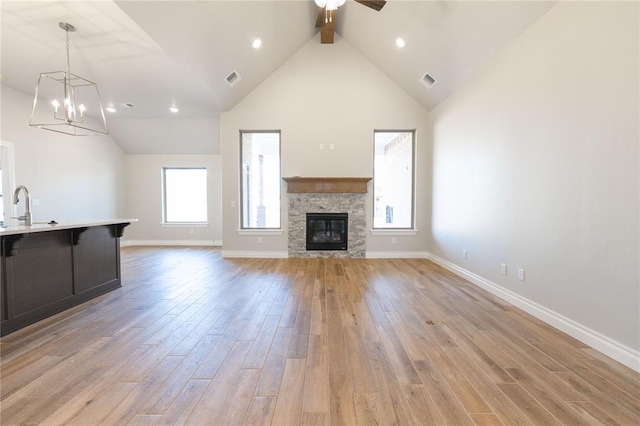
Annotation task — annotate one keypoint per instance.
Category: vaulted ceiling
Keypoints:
(157, 54)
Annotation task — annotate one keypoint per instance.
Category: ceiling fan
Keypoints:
(327, 14)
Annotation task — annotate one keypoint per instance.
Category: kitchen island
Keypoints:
(47, 268)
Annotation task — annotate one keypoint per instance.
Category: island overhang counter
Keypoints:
(48, 268)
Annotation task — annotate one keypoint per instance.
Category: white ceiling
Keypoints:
(154, 54)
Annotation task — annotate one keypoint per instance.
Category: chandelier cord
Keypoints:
(67, 81)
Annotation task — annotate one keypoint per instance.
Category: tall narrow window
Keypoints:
(260, 170)
(185, 194)
(393, 179)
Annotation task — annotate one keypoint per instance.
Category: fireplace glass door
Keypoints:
(327, 231)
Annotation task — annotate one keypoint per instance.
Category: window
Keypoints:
(393, 179)
(260, 179)
(185, 194)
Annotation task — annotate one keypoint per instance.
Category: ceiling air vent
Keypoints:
(428, 81)
(232, 79)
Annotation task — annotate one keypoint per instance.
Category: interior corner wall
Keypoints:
(144, 201)
(324, 95)
(536, 166)
(69, 178)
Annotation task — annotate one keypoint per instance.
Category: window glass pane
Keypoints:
(260, 169)
(185, 195)
(393, 180)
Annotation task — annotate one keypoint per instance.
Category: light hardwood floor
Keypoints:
(193, 338)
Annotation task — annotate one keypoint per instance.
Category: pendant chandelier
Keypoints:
(67, 103)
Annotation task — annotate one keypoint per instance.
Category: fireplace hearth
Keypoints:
(327, 231)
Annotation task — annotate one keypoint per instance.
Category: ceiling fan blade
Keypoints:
(373, 4)
(320, 17)
(327, 30)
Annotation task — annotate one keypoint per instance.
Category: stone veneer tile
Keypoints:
(301, 204)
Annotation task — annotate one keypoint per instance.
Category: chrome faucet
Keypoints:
(27, 210)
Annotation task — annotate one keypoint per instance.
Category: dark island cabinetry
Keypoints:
(48, 270)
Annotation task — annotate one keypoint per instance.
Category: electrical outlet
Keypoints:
(503, 268)
(332, 146)
(464, 254)
(321, 147)
(259, 240)
(521, 274)
(191, 231)
(393, 240)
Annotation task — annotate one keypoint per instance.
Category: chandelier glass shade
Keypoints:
(329, 4)
(67, 103)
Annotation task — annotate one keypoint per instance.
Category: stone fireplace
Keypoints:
(346, 197)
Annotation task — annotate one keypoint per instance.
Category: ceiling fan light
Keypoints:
(330, 4)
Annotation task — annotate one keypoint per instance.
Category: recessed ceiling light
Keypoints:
(173, 109)
(256, 43)
(400, 42)
(110, 109)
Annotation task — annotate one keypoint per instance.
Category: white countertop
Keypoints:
(43, 227)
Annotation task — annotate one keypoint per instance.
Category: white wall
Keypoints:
(167, 134)
(324, 94)
(536, 165)
(72, 178)
(144, 201)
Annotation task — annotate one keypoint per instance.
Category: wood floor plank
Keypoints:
(316, 390)
(185, 402)
(262, 343)
(422, 406)
(485, 419)
(212, 401)
(523, 400)
(273, 369)
(368, 409)
(161, 398)
(341, 397)
(193, 338)
(260, 411)
(289, 405)
(500, 404)
(548, 399)
(392, 399)
(130, 406)
(235, 407)
(401, 362)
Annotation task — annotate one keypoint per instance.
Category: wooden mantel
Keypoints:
(297, 184)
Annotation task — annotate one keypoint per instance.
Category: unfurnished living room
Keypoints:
(320, 212)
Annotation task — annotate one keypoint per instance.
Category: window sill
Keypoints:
(394, 232)
(184, 224)
(266, 231)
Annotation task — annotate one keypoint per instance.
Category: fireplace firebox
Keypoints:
(327, 231)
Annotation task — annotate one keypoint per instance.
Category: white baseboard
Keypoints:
(198, 243)
(255, 254)
(613, 349)
(396, 254)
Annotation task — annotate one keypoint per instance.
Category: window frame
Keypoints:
(165, 222)
(241, 210)
(411, 229)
